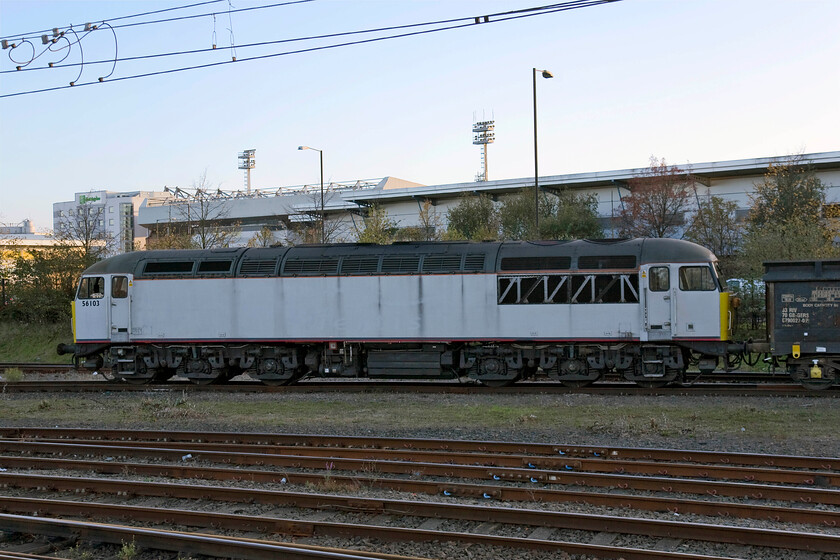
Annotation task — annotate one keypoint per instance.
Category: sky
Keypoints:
(689, 81)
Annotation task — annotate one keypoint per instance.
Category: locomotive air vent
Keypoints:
(310, 267)
(606, 261)
(360, 265)
(474, 262)
(396, 264)
(536, 263)
(442, 263)
(258, 267)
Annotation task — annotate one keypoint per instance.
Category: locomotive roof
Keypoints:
(483, 256)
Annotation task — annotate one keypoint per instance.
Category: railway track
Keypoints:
(601, 502)
(733, 383)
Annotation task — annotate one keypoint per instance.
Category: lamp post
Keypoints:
(545, 74)
(321, 155)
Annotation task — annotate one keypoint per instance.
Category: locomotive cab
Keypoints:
(678, 297)
(101, 310)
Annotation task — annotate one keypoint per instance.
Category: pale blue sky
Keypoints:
(690, 81)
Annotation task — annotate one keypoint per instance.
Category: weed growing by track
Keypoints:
(12, 375)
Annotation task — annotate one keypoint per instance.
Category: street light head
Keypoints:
(303, 147)
(547, 74)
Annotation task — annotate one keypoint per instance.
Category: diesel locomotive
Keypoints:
(496, 312)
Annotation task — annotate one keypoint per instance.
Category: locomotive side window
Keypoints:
(119, 287)
(696, 279)
(659, 279)
(91, 287)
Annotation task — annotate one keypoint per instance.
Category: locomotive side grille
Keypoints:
(395, 264)
(606, 261)
(474, 262)
(442, 263)
(359, 265)
(258, 267)
(536, 263)
(310, 267)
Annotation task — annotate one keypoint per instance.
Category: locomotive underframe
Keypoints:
(573, 364)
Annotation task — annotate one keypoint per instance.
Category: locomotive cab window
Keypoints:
(696, 279)
(91, 287)
(119, 287)
(659, 279)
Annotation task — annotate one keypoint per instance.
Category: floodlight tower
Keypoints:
(246, 162)
(484, 135)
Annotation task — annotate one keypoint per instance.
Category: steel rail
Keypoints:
(495, 491)
(615, 389)
(604, 463)
(184, 543)
(215, 546)
(818, 542)
(423, 509)
(446, 469)
(496, 447)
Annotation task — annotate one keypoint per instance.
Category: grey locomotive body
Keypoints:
(496, 312)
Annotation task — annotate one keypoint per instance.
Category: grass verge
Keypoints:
(21, 342)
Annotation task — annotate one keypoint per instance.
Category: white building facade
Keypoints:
(105, 215)
(282, 208)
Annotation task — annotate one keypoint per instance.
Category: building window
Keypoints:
(111, 221)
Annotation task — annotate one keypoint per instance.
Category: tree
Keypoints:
(789, 189)
(657, 202)
(202, 220)
(42, 283)
(785, 219)
(307, 227)
(475, 217)
(377, 227)
(263, 238)
(428, 228)
(565, 215)
(715, 226)
(84, 229)
(169, 236)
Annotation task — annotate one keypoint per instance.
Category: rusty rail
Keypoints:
(449, 470)
(669, 529)
(266, 440)
(342, 503)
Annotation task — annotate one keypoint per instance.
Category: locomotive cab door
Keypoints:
(120, 316)
(658, 300)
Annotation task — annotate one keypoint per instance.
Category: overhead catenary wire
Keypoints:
(36, 33)
(456, 23)
(305, 38)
